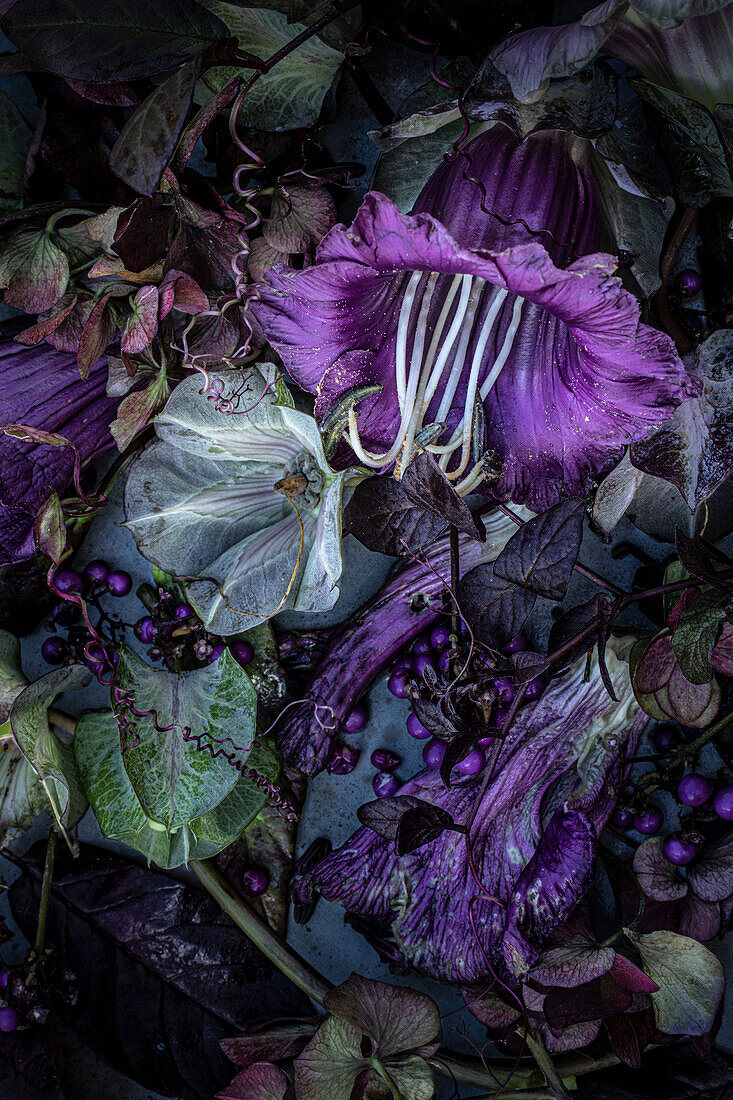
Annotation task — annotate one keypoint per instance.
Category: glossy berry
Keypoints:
(723, 803)
(344, 760)
(416, 729)
(678, 851)
(421, 663)
(421, 647)
(517, 644)
(396, 683)
(356, 719)
(384, 760)
(67, 580)
(622, 818)
(242, 652)
(471, 764)
(183, 611)
(215, 654)
(444, 661)
(506, 689)
(384, 784)
(96, 572)
(9, 1019)
(648, 822)
(433, 754)
(403, 664)
(694, 790)
(54, 650)
(145, 630)
(688, 283)
(664, 738)
(535, 688)
(119, 583)
(96, 652)
(255, 881)
(440, 637)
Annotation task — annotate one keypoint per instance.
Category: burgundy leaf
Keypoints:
(495, 609)
(427, 486)
(542, 554)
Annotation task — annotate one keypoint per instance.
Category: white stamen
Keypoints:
(453, 331)
(403, 325)
(460, 357)
(506, 347)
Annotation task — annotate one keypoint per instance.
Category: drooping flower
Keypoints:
(40, 387)
(241, 498)
(501, 340)
(533, 839)
(682, 45)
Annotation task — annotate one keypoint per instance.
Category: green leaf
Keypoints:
(174, 771)
(12, 680)
(33, 271)
(109, 40)
(148, 139)
(696, 633)
(690, 980)
(49, 528)
(291, 94)
(137, 409)
(53, 761)
(121, 815)
(15, 138)
(663, 691)
(22, 797)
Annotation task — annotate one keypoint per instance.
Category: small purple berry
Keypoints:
(96, 667)
(506, 690)
(119, 583)
(485, 742)
(471, 764)
(9, 1019)
(433, 754)
(421, 647)
(687, 283)
(664, 738)
(384, 784)
(694, 790)
(183, 611)
(255, 881)
(396, 684)
(404, 664)
(96, 652)
(384, 760)
(723, 803)
(67, 580)
(242, 652)
(344, 760)
(145, 630)
(649, 822)
(416, 729)
(535, 688)
(517, 644)
(622, 818)
(678, 851)
(54, 650)
(421, 663)
(444, 661)
(356, 719)
(440, 637)
(96, 572)
(215, 654)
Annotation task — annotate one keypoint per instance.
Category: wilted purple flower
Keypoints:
(533, 839)
(683, 45)
(41, 387)
(501, 341)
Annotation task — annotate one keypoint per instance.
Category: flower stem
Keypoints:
(40, 941)
(455, 574)
(544, 1061)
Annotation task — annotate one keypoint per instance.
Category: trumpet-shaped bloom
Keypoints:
(533, 839)
(241, 498)
(501, 341)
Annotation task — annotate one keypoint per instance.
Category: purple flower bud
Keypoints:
(505, 689)
(119, 583)
(433, 754)
(68, 580)
(622, 818)
(694, 790)
(355, 720)
(723, 803)
(648, 822)
(96, 572)
(145, 629)
(535, 688)
(344, 760)
(688, 283)
(54, 650)
(384, 760)
(472, 764)
(416, 729)
(396, 684)
(183, 611)
(384, 784)
(242, 652)
(215, 653)
(255, 881)
(9, 1019)
(421, 647)
(440, 637)
(517, 644)
(678, 851)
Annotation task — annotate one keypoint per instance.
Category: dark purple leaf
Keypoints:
(260, 1081)
(710, 874)
(383, 816)
(630, 1034)
(573, 623)
(699, 557)
(164, 975)
(456, 750)
(495, 609)
(421, 824)
(272, 1043)
(674, 1072)
(527, 666)
(427, 486)
(590, 1001)
(572, 958)
(28, 1069)
(384, 518)
(657, 877)
(542, 554)
(142, 232)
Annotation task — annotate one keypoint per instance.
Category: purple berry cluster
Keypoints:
(176, 635)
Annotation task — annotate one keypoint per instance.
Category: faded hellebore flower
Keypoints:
(502, 341)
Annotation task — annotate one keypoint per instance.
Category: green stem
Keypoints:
(40, 942)
(544, 1061)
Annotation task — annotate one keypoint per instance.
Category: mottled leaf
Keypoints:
(689, 977)
(665, 693)
(299, 218)
(695, 635)
(711, 873)
(260, 1081)
(572, 958)
(657, 877)
(138, 409)
(33, 271)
